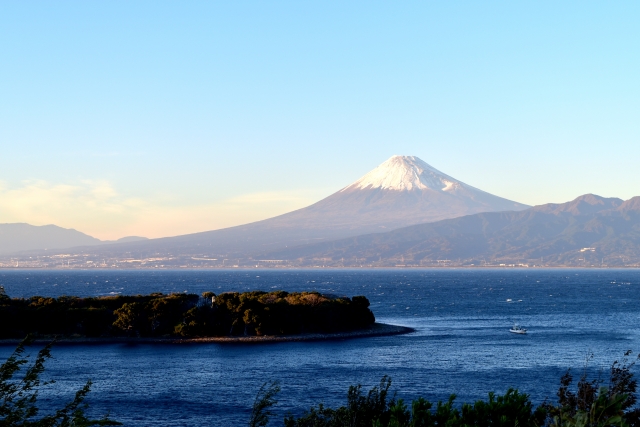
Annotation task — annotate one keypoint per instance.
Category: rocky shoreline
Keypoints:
(375, 330)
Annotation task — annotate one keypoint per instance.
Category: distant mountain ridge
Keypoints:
(583, 205)
(589, 229)
(402, 191)
(19, 237)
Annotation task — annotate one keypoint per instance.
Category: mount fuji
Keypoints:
(400, 192)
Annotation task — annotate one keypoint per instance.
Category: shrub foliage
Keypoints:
(19, 396)
(593, 403)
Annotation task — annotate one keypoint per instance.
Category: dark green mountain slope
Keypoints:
(587, 230)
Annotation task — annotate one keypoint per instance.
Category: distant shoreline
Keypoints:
(452, 267)
(376, 330)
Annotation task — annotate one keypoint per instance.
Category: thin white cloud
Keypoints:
(98, 209)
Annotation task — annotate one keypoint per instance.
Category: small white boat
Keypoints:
(517, 329)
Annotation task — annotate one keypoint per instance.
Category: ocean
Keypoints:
(461, 342)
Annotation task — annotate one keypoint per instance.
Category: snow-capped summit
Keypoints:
(406, 190)
(406, 173)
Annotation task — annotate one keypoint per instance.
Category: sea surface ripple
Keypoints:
(461, 344)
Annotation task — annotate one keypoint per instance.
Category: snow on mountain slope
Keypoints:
(406, 190)
(401, 173)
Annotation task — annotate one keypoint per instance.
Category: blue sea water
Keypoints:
(461, 344)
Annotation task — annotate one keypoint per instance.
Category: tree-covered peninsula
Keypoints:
(230, 314)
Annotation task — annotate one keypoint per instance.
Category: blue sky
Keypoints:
(160, 118)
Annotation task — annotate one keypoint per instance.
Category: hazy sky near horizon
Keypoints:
(160, 118)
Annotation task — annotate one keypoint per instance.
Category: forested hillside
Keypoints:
(183, 315)
(590, 230)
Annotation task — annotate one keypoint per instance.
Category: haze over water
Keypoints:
(461, 343)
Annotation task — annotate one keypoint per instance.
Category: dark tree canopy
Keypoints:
(184, 315)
